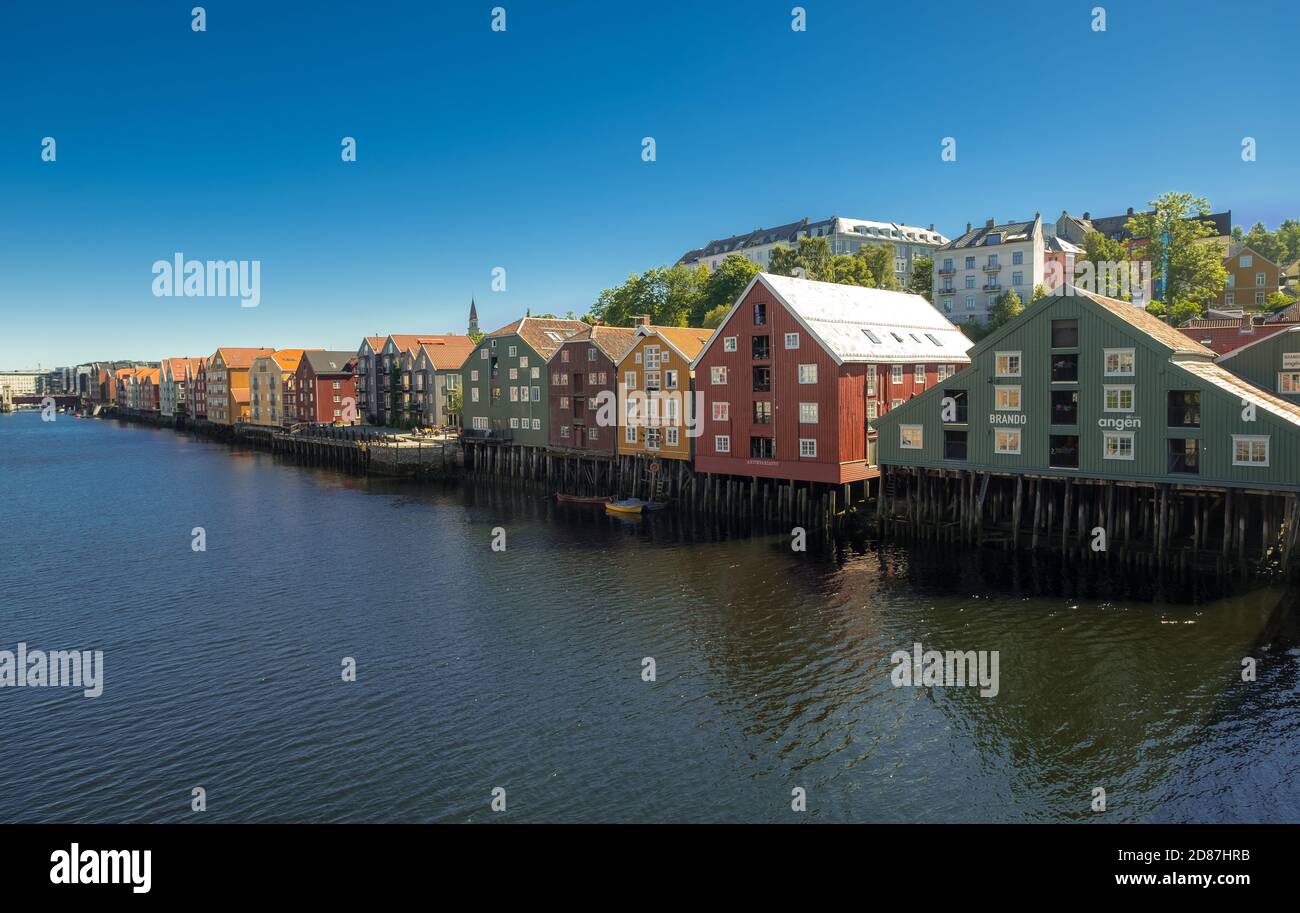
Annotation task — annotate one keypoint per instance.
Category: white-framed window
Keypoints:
(670, 379)
(480, 422)
(1119, 398)
(1006, 399)
(792, 340)
(729, 343)
(671, 436)
(918, 375)
(722, 443)
(514, 394)
(537, 422)
(1250, 450)
(1260, 280)
(873, 410)
(1288, 382)
(514, 422)
(1006, 440)
(564, 402)
(807, 447)
(718, 374)
(1118, 445)
(1007, 364)
(807, 413)
(911, 437)
(1246, 260)
(895, 374)
(591, 354)
(514, 373)
(523, 361)
(807, 374)
(721, 412)
(629, 434)
(483, 353)
(564, 431)
(473, 394)
(535, 373)
(512, 351)
(1120, 362)
(537, 395)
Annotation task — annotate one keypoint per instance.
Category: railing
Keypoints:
(947, 270)
(991, 267)
(992, 286)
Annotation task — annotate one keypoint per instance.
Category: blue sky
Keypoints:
(522, 149)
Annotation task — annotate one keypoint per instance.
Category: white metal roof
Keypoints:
(859, 324)
(1225, 380)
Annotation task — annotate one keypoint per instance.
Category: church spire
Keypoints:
(473, 318)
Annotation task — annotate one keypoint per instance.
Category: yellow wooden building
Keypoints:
(655, 401)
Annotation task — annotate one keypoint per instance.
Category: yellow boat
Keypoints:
(632, 506)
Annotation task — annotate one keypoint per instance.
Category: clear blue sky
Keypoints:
(523, 149)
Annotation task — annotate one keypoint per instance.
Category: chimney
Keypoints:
(931, 226)
(643, 319)
(990, 223)
(805, 220)
(1037, 216)
(1087, 215)
(1130, 210)
(967, 228)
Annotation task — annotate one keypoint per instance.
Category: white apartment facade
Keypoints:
(845, 236)
(971, 272)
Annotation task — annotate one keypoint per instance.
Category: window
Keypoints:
(1259, 280)
(895, 403)
(1119, 398)
(910, 437)
(1006, 440)
(807, 374)
(970, 302)
(807, 447)
(629, 434)
(671, 436)
(535, 373)
(954, 445)
(1119, 445)
(1229, 297)
(651, 380)
(537, 423)
(970, 262)
(721, 412)
(1065, 368)
(591, 354)
(959, 415)
(1065, 334)
(895, 374)
(670, 379)
(564, 430)
(762, 412)
(970, 281)
(1246, 260)
(514, 374)
(1288, 382)
(1007, 364)
(593, 433)
(792, 340)
(1185, 455)
(564, 402)
(564, 355)
(873, 411)
(1184, 408)
(514, 423)
(629, 379)
(1063, 451)
(760, 313)
(1017, 278)
(523, 362)
(718, 375)
(1006, 399)
(762, 448)
(1017, 257)
(652, 438)
(918, 375)
(514, 394)
(1065, 407)
(537, 397)
(760, 347)
(483, 353)
(762, 379)
(722, 443)
(1119, 362)
(473, 394)
(480, 422)
(808, 413)
(1249, 450)
(872, 336)
(729, 343)
(512, 351)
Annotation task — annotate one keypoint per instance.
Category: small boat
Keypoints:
(583, 499)
(633, 506)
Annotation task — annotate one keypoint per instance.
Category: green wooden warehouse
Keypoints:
(1085, 413)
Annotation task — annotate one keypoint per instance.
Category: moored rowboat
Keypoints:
(583, 499)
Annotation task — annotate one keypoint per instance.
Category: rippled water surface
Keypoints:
(522, 668)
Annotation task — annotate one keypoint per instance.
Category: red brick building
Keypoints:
(581, 369)
(325, 388)
(797, 370)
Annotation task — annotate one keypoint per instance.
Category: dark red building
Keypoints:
(797, 370)
(581, 369)
(325, 388)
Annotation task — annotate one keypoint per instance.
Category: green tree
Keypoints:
(850, 270)
(724, 286)
(713, 319)
(922, 281)
(1007, 308)
(1173, 240)
(880, 257)
(455, 403)
(812, 255)
(667, 294)
(974, 330)
(1040, 291)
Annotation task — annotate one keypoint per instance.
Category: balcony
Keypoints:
(947, 271)
(992, 286)
(992, 267)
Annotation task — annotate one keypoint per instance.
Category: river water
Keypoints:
(523, 669)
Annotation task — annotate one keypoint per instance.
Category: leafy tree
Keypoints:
(668, 294)
(1007, 308)
(880, 257)
(1040, 291)
(713, 319)
(974, 330)
(724, 286)
(1279, 301)
(476, 338)
(922, 281)
(1173, 239)
(812, 256)
(850, 270)
(455, 402)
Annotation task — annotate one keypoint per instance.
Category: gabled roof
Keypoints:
(1271, 330)
(615, 342)
(790, 233)
(1180, 343)
(544, 334)
(288, 359)
(240, 358)
(1116, 227)
(1236, 249)
(1230, 383)
(407, 342)
(855, 324)
(1009, 232)
(446, 353)
(685, 341)
(324, 362)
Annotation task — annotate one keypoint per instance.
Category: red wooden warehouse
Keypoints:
(796, 371)
(325, 388)
(581, 369)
